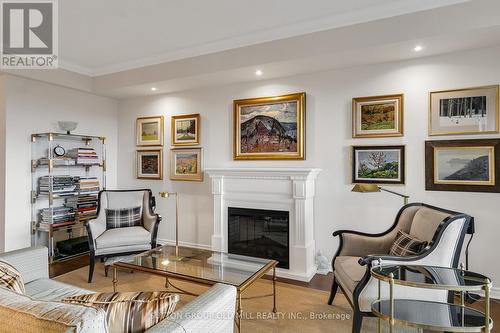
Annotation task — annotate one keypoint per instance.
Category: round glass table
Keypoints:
(431, 315)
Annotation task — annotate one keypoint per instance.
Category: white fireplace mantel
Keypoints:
(289, 189)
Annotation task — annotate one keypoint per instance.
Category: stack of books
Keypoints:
(84, 156)
(87, 185)
(85, 206)
(61, 185)
(56, 217)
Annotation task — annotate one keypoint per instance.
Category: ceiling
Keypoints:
(123, 48)
(101, 37)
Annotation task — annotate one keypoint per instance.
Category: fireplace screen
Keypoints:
(259, 233)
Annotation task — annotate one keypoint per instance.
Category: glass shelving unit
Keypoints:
(57, 215)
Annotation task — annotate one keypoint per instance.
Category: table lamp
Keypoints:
(367, 188)
(166, 195)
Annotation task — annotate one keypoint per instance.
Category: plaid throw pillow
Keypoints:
(124, 217)
(406, 245)
(130, 311)
(11, 279)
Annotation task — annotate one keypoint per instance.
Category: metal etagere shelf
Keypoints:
(48, 200)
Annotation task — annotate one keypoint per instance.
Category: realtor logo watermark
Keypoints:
(29, 34)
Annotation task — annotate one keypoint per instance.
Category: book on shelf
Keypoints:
(84, 156)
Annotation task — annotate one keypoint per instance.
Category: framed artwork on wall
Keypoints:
(464, 111)
(186, 164)
(377, 116)
(462, 165)
(270, 128)
(149, 131)
(149, 164)
(186, 129)
(378, 164)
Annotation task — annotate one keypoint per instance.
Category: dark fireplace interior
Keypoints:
(259, 233)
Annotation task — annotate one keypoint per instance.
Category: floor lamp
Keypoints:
(367, 188)
(166, 195)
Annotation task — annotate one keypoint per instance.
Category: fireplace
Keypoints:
(259, 233)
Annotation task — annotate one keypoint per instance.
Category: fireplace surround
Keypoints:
(289, 190)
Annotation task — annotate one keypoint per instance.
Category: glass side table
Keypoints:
(429, 315)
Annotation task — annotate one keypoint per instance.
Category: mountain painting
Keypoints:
(463, 165)
(269, 128)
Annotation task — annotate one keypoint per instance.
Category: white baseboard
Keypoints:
(187, 244)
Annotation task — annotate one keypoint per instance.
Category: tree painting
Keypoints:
(381, 164)
(463, 107)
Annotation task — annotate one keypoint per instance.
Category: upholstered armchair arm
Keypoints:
(31, 262)
(211, 312)
(359, 244)
(97, 226)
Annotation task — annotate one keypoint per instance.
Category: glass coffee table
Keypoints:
(203, 267)
(432, 315)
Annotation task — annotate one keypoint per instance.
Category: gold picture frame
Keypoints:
(378, 116)
(464, 111)
(273, 128)
(186, 164)
(149, 131)
(149, 164)
(182, 128)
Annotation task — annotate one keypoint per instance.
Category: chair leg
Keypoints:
(357, 322)
(91, 267)
(333, 291)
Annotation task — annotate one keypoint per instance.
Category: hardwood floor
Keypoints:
(319, 282)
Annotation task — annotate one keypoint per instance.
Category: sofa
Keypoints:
(212, 311)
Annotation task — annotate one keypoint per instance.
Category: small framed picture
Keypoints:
(186, 164)
(150, 164)
(186, 129)
(378, 164)
(464, 111)
(149, 131)
(462, 165)
(377, 116)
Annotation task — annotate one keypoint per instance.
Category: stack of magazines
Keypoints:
(61, 185)
(84, 156)
(56, 217)
(87, 185)
(85, 206)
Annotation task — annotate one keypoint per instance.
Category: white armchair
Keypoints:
(121, 241)
(444, 231)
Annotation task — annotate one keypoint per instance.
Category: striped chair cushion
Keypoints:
(130, 312)
(123, 217)
(11, 279)
(406, 245)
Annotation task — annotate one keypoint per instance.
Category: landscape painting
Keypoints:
(186, 164)
(378, 116)
(149, 131)
(270, 127)
(378, 164)
(462, 165)
(186, 129)
(464, 111)
(149, 164)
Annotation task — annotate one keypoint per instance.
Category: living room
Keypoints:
(250, 167)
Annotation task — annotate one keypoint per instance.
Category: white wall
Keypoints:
(328, 137)
(34, 107)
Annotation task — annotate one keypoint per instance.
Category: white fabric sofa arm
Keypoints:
(31, 262)
(211, 312)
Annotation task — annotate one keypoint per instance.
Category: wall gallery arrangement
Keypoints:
(451, 165)
(270, 128)
(377, 116)
(378, 164)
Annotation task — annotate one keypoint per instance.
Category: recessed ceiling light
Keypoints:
(154, 89)
(418, 48)
(258, 72)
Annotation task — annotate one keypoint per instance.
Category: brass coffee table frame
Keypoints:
(197, 280)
